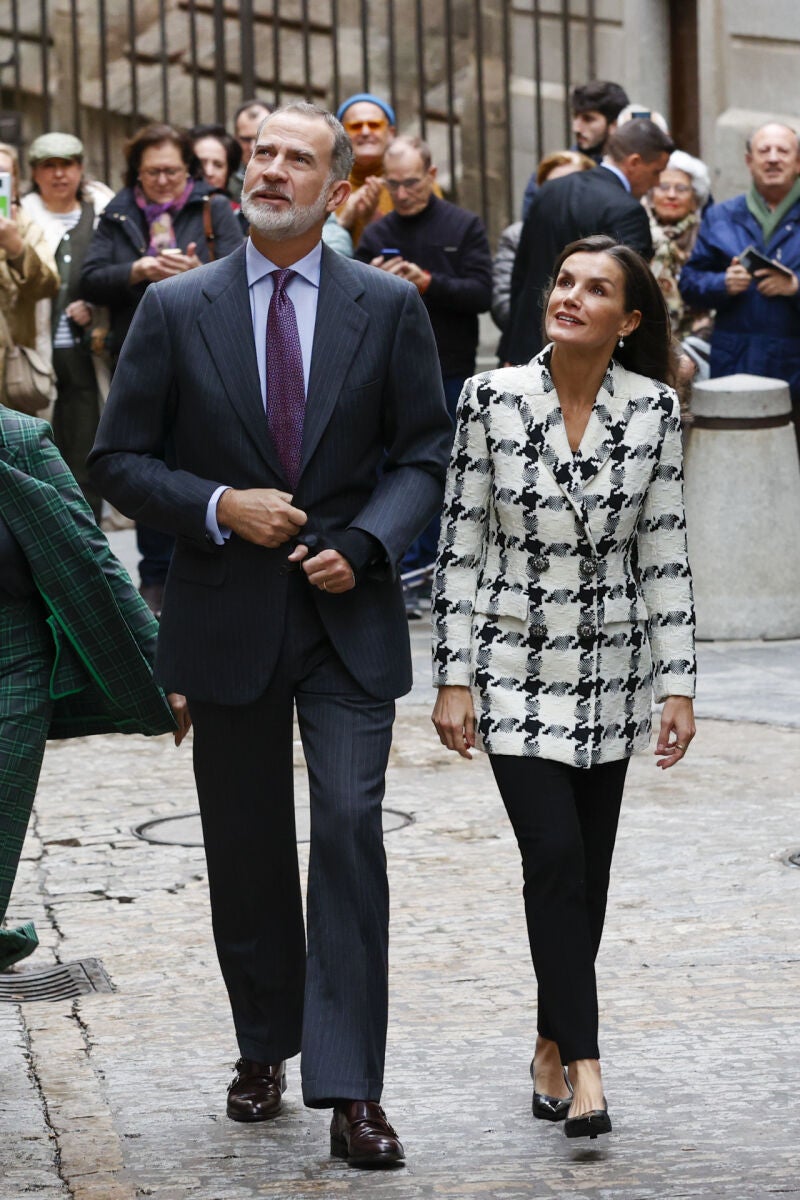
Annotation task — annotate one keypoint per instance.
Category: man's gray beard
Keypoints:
(284, 223)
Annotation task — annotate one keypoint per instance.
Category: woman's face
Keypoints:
(673, 197)
(586, 309)
(162, 173)
(213, 160)
(58, 180)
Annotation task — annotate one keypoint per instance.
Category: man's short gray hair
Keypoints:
(410, 142)
(342, 155)
(781, 125)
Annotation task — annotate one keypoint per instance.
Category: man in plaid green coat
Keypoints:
(76, 639)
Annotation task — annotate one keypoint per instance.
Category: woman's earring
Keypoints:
(621, 342)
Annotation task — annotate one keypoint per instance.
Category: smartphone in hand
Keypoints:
(5, 195)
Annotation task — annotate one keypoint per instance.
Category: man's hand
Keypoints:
(329, 570)
(180, 711)
(361, 203)
(80, 312)
(403, 268)
(261, 515)
(737, 280)
(775, 283)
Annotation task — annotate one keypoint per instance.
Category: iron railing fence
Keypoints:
(483, 80)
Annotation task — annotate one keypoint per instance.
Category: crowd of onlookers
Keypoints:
(76, 258)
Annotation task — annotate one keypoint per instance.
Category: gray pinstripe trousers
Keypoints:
(330, 1001)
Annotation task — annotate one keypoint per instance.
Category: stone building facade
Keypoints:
(486, 81)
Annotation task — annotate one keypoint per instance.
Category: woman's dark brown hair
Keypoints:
(648, 350)
(156, 135)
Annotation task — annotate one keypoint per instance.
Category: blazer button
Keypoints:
(540, 562)
(586, 568)
(586, 631)
(538, 631)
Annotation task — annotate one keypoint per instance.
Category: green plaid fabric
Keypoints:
(103, 631)
(26, 657)
(74, 659)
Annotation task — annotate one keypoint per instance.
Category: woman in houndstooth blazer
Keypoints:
(562, 602)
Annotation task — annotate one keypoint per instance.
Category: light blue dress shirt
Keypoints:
(303, 291)
(614, 169)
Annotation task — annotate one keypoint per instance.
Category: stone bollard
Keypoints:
(743, 509)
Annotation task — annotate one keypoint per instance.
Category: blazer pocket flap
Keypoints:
(502, 602)
(623, 608)
(199, 566)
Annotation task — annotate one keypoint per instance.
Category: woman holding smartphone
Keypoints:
(156, 227)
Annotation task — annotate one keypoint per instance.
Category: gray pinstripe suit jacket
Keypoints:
(185, 414)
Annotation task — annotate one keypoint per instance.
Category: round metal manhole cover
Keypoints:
(186, 829)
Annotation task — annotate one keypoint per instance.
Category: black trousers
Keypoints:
(565, 820)
(331, 1000)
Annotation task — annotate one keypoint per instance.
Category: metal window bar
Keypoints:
(247, 48)
(163, 54)
(15, 54)
(337, 87)
(392, 54)
(276, 50)
(537, 78)
(591, 48)
(451, 98)
(309, 87)
(365, 43)
(420, 54)
(103, 62)
(220, 66)
(76, 68)
(507, 58)
(191, 16)
(134, 114)
(567, 61)
(45, 59)
(481, 108)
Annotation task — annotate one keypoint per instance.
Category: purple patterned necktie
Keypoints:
(286, 392)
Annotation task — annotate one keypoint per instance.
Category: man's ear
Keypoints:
(432, 172)
(338, 194)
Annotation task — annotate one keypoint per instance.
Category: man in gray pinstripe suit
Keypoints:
(283, 592)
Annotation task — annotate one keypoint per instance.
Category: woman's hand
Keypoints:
(180, 711)
(677, 718)
(10, 239)
(454, 718)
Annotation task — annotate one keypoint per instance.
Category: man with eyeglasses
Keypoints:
(757, 325)
(444, 251)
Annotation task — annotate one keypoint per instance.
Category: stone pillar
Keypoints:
(743, 509)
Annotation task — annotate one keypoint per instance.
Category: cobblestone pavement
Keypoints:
(120, 1096)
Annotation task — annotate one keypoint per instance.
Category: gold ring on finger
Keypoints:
(680, 746)
(325, 585)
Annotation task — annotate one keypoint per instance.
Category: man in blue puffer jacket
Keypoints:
(757, 327)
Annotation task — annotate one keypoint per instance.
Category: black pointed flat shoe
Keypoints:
(550, 1108)
(589, 1124)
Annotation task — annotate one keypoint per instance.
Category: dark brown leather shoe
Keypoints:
(361, 1134)
(255, 1091)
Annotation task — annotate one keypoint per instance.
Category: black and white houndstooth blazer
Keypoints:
(562, 593)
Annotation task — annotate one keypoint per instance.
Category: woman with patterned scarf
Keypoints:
(154, 228)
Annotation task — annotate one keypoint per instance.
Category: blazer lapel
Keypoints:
(338, 332)
(604, 431)
(227, 328)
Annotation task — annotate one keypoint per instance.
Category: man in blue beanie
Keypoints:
(370, 125)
